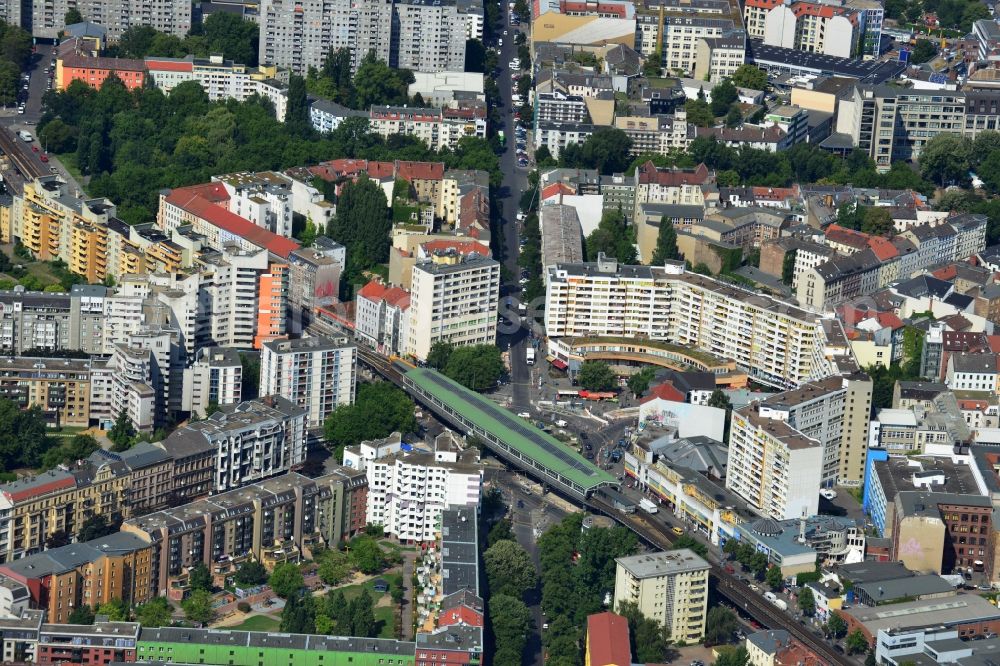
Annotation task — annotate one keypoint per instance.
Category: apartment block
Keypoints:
(273, 520)
(439, 128)
(833, 411)
(776, 343)
(115, 16)
(408, 490)
(318, 374)
(34, 508)
(382, 317)
(314, 280)
(943, 533)
(214, 378)
(453, 299)
(421, 35)
(670, 587)
(773, 466)
(59, 387)
(246, 442)
(208, 209)
(152, 483)
(146, 379)
(893, 124)
(92, 573)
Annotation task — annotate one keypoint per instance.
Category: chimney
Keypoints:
(802, 527)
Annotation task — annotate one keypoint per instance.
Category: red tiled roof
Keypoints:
(373, 291)
(204, 201)
(412, 171)
(889, 320)
(845, 236)
(664, 391)
(608, 641)
(948, 272)
(882, 248)
(154, 65)
(648, 173)
(41, 489)
(994, 343)
(556, 189)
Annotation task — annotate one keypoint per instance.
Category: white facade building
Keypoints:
(318, 374)
(453, 298)
(773, 466)
(215, 377)
(408, 490)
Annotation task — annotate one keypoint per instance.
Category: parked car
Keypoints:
(43, 157)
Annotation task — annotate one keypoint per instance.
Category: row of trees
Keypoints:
(477, 367)
(134, 143)
(15, 54)
(571, 593)
(510, 574)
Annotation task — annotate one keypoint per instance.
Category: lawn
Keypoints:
(258, 623)
(68, 432)
(385, 618)
(351, 591)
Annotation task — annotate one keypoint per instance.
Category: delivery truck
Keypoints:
(648, 505)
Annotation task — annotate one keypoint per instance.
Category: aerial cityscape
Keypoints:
(489, 332)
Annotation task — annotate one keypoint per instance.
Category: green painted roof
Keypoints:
(513, 430)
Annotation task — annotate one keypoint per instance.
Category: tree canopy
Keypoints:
(232, 36)
(379, 409)
(597, 376)
(286, 580)
(614, 237)
(666, 243)
(198, 607)
(750, 76)
(477, 367)
(606, 150)
(154, 613)
(509, 568)
(362, 224)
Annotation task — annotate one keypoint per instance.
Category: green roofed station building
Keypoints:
(507, 435)
(253, 648)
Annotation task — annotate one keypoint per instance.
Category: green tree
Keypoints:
(477, 367)
(116, 610)
(375, 83)
(652, 67)
(156, 612)
(774, 578)
(366, 555)
(308, 234)
(73, 16)
(923, 51)
(699, 112)
(720, 400)
(363, 615)
(82, 615)
(720, 625)
(379, 410)
(334, 568)
(95, 527)
(666, 243)
(606, 150)
(878, 222)
(692, 544)
(614, 238)
(122, 433)
(856, 642)
(10, 79)
(362, 224)
(730, 655)
(56, 136)
(724, 94)
(250, 373)
(836, 627)
(650, 639)
(297, 107)
(946, 159)
(501, 531)
(597, 376)
(639, 382)
(807, 602)
(198, 607)
(78, 448)
(750, 76)
(511, 622)
(200, 578)
(297, 617)
(509, 569)
(439, 354)
(733, 117)
(286, 580)
(232, 36)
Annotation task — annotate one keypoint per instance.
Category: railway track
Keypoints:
(727, 585)
(658, 535)
(23, 161)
